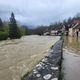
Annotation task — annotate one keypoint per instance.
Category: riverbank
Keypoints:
(49, 68)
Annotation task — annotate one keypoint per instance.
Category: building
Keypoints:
(75, 29)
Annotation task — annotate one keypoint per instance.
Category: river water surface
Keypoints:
(17, 57)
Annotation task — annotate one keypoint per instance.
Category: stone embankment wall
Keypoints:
(49, 68)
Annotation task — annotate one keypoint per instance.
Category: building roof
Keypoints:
(76, 26)
(76, 21)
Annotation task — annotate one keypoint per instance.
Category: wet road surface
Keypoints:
(71, 66)
(71, 55)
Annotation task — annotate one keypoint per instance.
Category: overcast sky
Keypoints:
(37, 12)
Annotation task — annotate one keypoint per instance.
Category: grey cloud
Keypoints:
(39, 11)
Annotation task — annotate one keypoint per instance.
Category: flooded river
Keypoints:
(71, 62)
(17, 57)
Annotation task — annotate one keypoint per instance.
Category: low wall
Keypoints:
(49, 68)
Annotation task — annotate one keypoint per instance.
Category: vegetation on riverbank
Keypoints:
(13, 30)
(3, 35)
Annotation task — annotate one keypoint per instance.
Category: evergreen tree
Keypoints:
(14, 31)
(1, 25)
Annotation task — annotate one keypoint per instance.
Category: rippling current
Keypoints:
(17, 57)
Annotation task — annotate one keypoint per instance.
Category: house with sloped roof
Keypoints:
(75, 29)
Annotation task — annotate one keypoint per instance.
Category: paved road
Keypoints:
(71, 65)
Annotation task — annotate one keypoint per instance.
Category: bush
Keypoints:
(3, 35)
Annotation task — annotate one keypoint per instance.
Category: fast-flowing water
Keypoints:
(71, 62)
(17, 57)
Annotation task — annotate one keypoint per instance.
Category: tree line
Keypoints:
(12, 30)
(57, 25)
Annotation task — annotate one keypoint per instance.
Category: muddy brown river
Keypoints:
(17, 57)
